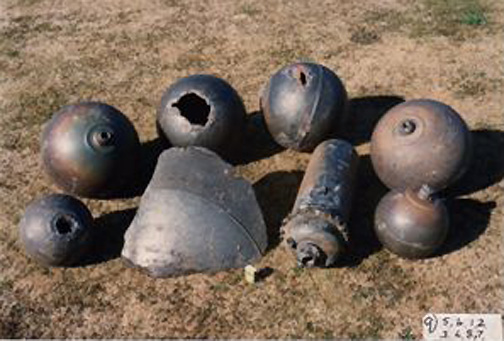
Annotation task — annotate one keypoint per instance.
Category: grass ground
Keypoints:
(126, 52)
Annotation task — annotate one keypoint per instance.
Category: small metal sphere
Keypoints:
(303, 104)
(420, 142)
(411, 225)
(202, 110)
(56, 230)
(90, 149)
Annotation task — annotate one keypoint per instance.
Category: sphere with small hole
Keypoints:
(420, 142)
(90, 149)
(204, 111)
(56, 230)
(303, 105)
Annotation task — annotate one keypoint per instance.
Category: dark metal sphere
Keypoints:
(202, 110)
(420, 142)
(56, 230)
(303, 104)
(90, 149)
(410, 224)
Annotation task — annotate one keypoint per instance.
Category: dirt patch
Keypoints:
(127, 52)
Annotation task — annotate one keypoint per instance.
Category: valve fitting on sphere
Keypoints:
(316, 230)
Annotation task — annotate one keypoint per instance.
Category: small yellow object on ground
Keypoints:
(250, 274)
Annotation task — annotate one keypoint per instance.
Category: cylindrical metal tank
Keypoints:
(317, 228)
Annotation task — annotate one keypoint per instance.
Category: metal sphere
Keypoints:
(202, 110)
(303, 104)
(90, 149)
(56, 230)
(411, 225)
(420, 142)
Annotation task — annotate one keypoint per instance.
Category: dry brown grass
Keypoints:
(126, 52)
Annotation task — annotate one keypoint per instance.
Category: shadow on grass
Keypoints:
(257, 143)
(368, 193)
(363, 114)
(149, 154)
(487, 166)
(468, 220)
(108, 236)
(276, 193)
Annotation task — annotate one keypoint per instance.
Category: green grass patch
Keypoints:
(457, 19)
(222, 287)
(371, 329)
(298, 271)
(407, 334)
(249, 9)
(450, 18)
(474, 17)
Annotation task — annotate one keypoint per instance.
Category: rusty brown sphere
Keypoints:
(420, 142)
(90, 149)
(411, 224)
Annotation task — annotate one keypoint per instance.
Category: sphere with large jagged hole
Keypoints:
(202, 110)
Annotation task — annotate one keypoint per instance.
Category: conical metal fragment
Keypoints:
(195, 216)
